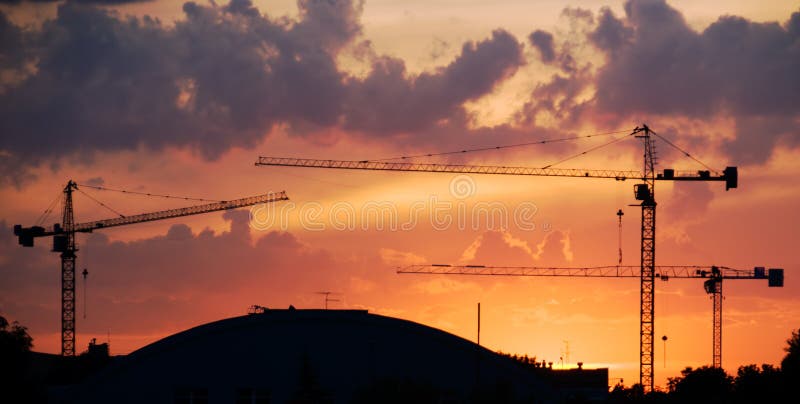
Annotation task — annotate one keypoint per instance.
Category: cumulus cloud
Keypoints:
(387, 101)
(11, 46)
(18, 2)
(660, 69)
(177, 274)
(499, 248)
(658, 65)
(562, 57)
(91, 80)
(543, 42)
(97, 2)
(400, 258)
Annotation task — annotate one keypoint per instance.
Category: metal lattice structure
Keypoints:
(68, 274)
(644, 192)
(714, 287)
(64, 242)
(713, 276)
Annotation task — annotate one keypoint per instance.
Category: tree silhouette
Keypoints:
(15, 339)
(15, 347)
(753, 384)
(706, 384)
(790, 365)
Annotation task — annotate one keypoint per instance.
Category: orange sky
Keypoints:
(472, 76)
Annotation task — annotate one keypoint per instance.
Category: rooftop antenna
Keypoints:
(327, 298)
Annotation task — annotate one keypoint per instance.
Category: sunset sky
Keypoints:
(180, 98)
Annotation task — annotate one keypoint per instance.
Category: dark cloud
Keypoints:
(658, 65)
(611, 34)
(222, 77)
(12, 48)
(107, 2)
(558, 98)
(387, 101)
(18, 2)
(95, 181)
(562, 58)
(97, 2)
(543, 42)
(178, 274)
(327, 24)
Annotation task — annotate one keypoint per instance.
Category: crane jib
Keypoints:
(27, 234)
(644, 192)
(729, 175)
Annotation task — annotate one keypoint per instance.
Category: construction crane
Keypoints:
(64, 242)
(643, 192)
(712, 275)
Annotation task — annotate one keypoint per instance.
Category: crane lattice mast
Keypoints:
(643, 192)
(64, 242)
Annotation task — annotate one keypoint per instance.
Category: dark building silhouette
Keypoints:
(581, 385)
(321, 356)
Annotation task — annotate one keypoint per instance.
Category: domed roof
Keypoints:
(344, 352)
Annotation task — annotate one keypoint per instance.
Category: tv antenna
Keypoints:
(328, 298)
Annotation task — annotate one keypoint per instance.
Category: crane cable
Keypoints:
(149, 194)
(587, 151)
(479, 149)
(40, 221)
(545, 141)
(85, 273)
(685, 153)
(100, 203)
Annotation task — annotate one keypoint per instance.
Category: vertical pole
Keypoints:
(85, 286)
(479, 323)
(478, 352)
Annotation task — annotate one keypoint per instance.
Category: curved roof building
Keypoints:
(304, 356)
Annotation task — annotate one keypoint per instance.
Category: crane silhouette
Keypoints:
(64, 242)
(711, 275)
(644, 192)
